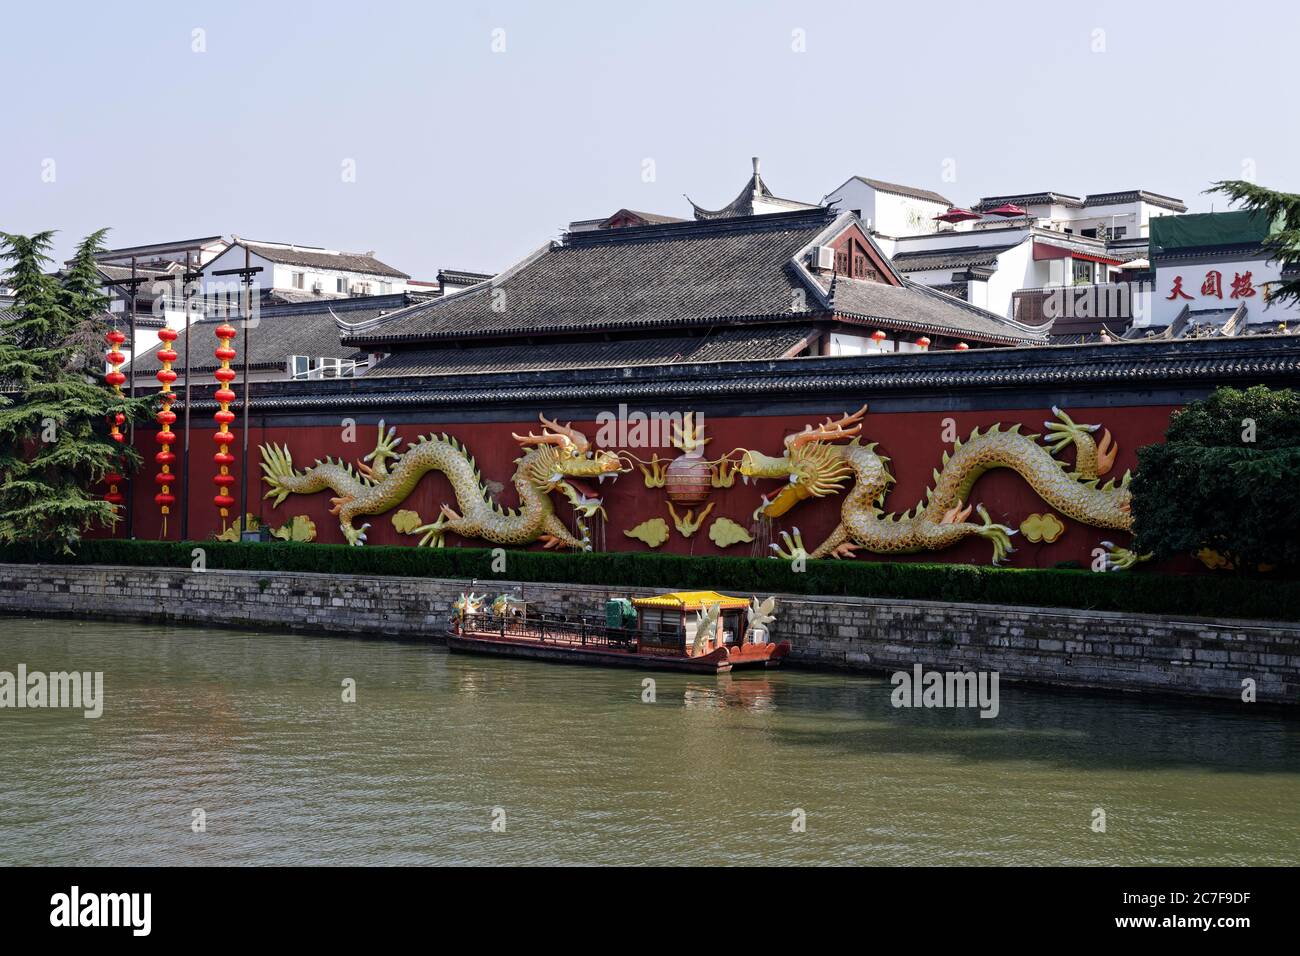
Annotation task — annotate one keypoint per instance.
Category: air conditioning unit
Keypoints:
(318, 287)
(823, 257)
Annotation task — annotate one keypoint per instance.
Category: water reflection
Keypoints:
(253, 728)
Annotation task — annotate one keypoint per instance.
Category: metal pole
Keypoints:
(185, 447)
(247, 273)
(243, 461)
(130, 440)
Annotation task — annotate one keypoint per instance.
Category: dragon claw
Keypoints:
(794, 548)
(385, 451)
(355, 536)
(1121, 559)
(999, 534)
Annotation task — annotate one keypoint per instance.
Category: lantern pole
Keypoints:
(246, 274)
(188, 277)
(130, 285)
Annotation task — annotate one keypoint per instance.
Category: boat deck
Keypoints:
(582, 643)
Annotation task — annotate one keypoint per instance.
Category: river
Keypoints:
(451, 759)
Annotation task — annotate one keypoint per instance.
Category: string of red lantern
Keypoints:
(115, 378)
(164, 499)
(224, 416)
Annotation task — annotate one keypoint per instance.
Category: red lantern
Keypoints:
(115, 378)
(164, 499)
(224, 417)
(923, 342)
(878, 336)
(962, 346)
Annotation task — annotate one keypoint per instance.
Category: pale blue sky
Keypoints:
(466, 158)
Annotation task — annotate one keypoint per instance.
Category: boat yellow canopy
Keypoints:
(692, 601)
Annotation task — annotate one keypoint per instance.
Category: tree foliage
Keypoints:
(1283, 209)
(1225, 480)
(54, 405)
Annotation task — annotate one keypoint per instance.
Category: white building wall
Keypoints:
(280, 276)
(887, 213)
(1016, 270)
(1165, 310)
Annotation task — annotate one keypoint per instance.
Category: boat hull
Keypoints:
(715, 663)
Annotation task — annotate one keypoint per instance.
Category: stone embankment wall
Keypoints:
(1082, 649)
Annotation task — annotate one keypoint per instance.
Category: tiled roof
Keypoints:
(916, 307)
(144, 293)
(899, 190)
(1134, 195)
(282, 331)
(462, 277)
(959, 258)
(1098, 368)
(1029, 199)
(647, 218)
(641, 277)
(321, 259)
(744, 204)
(732, 272)
(723, 345)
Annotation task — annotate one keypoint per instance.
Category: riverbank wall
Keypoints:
(1096, 650)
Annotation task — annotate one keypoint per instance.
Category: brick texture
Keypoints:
(1080, 649)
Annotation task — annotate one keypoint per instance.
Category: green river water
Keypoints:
(251, 728)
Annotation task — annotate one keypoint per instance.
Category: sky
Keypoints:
(464, 136)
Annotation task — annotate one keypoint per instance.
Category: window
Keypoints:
(1119, 232)
(330, 367)
(660, 627)
(851, 260)
(341, 284)
(1090, 233)
(299, 365)
(299, 280)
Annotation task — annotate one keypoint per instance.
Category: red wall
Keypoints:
(912, 440)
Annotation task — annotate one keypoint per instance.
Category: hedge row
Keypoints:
(1218, 596)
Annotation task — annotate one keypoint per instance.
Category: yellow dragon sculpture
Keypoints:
(560, 452)
(814, 465)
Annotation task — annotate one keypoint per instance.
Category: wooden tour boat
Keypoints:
(699, 631)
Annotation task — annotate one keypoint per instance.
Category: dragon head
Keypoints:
(811, 466)
(568, 453)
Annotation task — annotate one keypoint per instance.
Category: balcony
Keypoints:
(1116, 304)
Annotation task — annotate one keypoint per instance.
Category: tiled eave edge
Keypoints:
(1113, 365)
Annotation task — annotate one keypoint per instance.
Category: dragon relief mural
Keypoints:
(818, 462)
(385, 477)
(821, 459)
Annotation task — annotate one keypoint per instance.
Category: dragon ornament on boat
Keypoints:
(823, 460)
(385, 477)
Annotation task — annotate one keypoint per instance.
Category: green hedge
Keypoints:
(1216, 596)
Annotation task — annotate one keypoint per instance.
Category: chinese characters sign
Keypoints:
(1212, 287)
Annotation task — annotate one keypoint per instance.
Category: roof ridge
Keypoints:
(763, 222)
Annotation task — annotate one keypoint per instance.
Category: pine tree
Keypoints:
(1283, 210)
(54, 445)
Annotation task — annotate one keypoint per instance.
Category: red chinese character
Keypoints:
(1177, 290)
(1241, 287)
(1213, 284)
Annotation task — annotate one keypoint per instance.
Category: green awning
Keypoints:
(1209, 229)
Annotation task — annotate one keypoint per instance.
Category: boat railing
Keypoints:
(546, 629)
